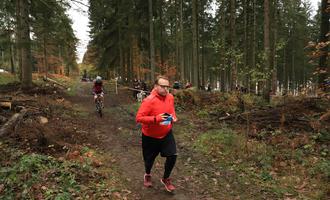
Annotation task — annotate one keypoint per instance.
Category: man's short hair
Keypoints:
(160, 77)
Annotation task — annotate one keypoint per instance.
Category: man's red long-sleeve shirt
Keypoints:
(152, 106)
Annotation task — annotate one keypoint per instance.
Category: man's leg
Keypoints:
(150, 150)
(169, 165)
(169, 151)
(149, 160)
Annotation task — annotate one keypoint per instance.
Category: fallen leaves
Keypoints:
(86, 157)
(302, 186)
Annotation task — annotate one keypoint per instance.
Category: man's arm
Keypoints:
(175, 119)
(143, 115)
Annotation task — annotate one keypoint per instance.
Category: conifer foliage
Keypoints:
(259, 45)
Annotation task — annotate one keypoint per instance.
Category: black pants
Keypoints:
(166, 146)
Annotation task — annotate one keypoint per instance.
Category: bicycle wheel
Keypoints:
(100, 112)
(99, 108)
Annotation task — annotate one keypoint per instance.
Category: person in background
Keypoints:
(136, 87)
(188, 85)
(176, 85)
(208, 87)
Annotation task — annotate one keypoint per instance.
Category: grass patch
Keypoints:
(6, 78)
(279, 171)
(73, 88)
(35, 176)
(133, 108)
(127, 111)
(219, 142)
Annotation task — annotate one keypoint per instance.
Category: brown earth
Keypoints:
(74, 124)
(116, 133)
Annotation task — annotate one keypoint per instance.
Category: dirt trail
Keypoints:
(120, 137)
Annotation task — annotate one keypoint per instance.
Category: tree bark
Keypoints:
(233, 81)
(254, 39)
(161, 33)
(222, 24)
(274, 65)
(12, 65)
(45, 56)
(24, 29)
(266, 48)
(182, 73)
(177, 38)
(324, 30)
(18, 39)
(152, 45)
(202, 53)
(195, 64)
(245, 55)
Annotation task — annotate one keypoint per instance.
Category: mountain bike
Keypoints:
(99, 105)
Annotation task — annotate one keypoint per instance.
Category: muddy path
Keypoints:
(119, 135)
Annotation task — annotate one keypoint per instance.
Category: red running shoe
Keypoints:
(168, 185)
(147, 180)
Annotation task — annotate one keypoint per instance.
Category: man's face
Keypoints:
(162, 87)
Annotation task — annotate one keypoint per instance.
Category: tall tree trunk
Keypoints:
(274, 64)
(293, 77)
(222, 24)
(120, 68)
(182, 68)
(254, 39)
(233, 81)
(285, 74)
(177, 38)
(202, 68)
(325, 4)
(161, 33)
(45, 56)
(266, 48)
(18, 33)
(131, 58)
(195, 64)
(202, 54)
(24, 40)
(121, 56)
(245, 54)
(128, 73)
(12, 65)
(152, 45)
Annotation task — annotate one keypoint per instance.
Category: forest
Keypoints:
(250, 81)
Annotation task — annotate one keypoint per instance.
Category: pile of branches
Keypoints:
(14, 111)
(310, 114)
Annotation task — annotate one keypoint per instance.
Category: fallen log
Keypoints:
(325, 116)
(6, 98)
(5, 129)
(2, 119)
(53, 81)
(5, 104)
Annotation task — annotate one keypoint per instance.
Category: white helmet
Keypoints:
(98, 78)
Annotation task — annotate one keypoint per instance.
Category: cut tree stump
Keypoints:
(8, 126)
(5, 105)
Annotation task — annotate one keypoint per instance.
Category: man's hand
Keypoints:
(161, 117)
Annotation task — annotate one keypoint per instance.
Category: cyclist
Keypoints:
(98, 88)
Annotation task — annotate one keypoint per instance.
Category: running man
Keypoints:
(156, 114)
